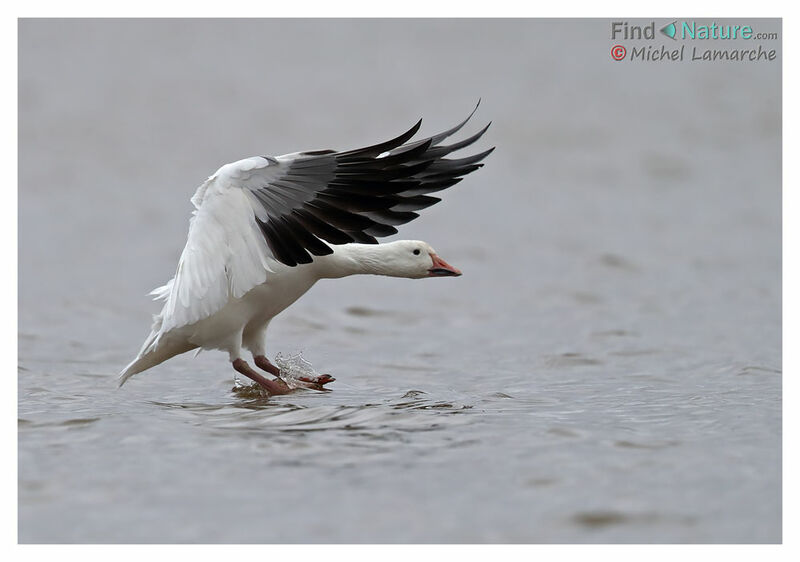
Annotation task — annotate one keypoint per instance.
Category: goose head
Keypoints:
(415, 259)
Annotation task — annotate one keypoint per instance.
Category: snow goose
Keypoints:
(265, 229)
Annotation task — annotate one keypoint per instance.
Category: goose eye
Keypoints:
(416, 252)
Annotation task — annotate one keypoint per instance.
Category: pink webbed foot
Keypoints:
(317, 382)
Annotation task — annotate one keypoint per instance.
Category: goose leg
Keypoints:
(313, 382)
(272, 387)
(263, 363)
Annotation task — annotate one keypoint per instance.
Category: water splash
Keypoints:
(294, 368)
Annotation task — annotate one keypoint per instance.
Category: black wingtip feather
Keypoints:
(381, 230)
(305, 238)
(321, 228)
(393, 218)
(361, 194)
(283, 245)
(467, 141)
(364, 237)
(415, 203)
(377, 149)
(343, 220)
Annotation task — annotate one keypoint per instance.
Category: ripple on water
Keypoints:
(412, 411)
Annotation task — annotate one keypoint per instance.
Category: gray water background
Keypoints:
(608, 369)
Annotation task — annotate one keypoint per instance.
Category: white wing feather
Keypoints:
(225, 255)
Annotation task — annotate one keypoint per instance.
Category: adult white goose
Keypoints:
(265, 229)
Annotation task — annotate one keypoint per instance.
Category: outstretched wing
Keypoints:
(262, 210)
(305, 199)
